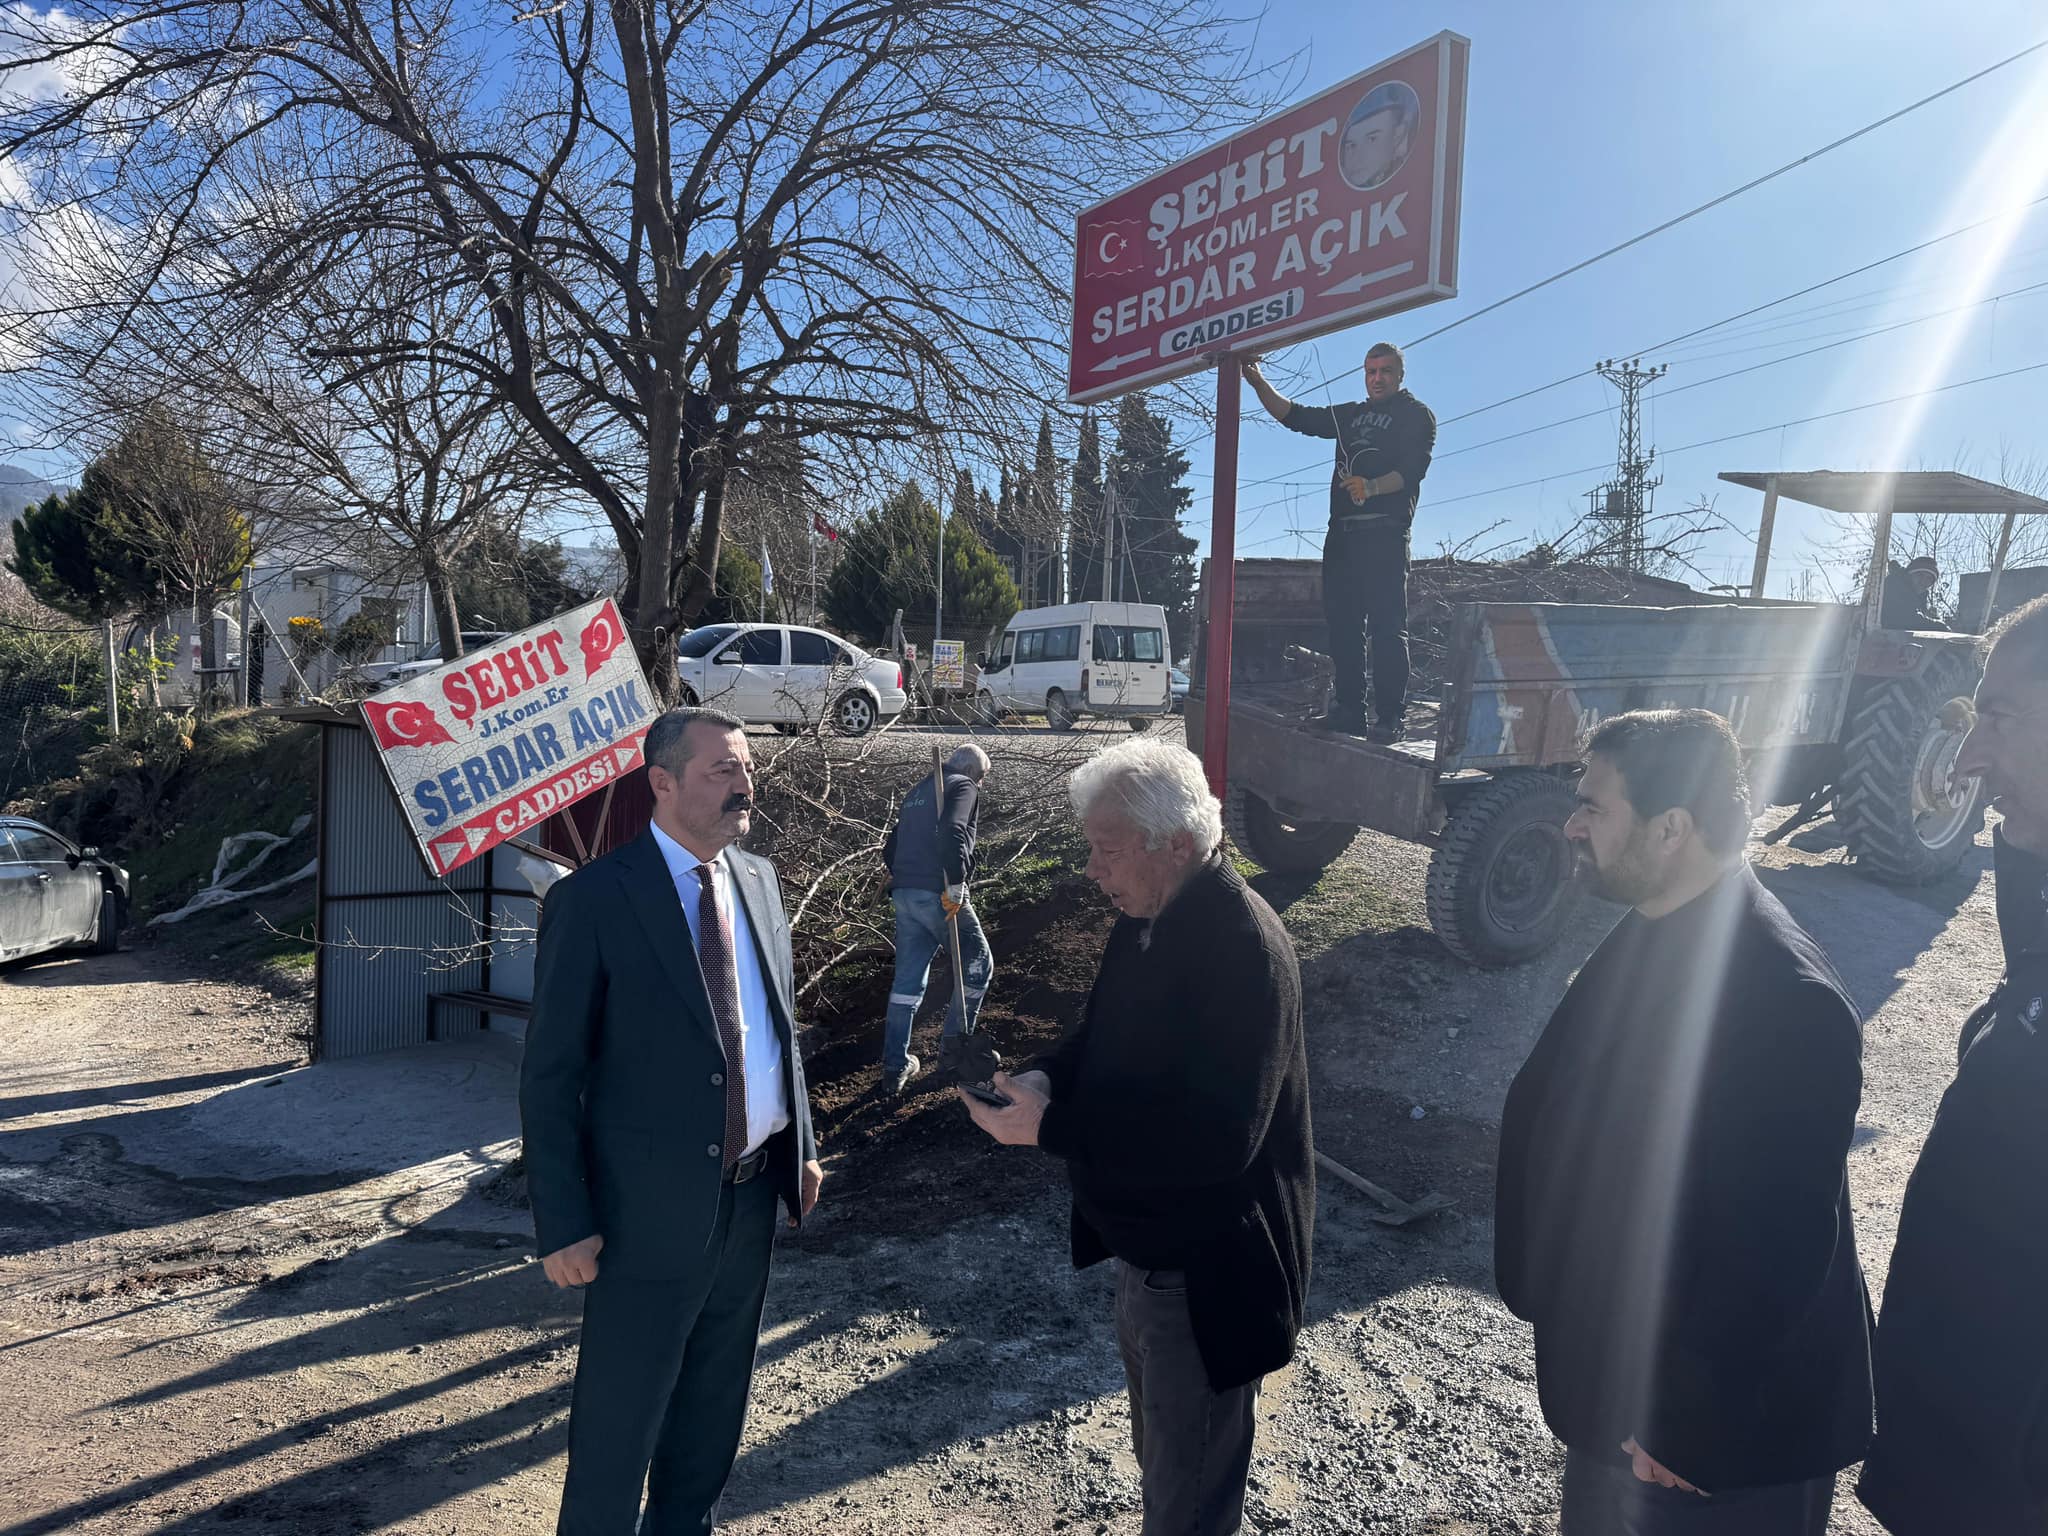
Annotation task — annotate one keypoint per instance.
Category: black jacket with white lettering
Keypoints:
(1374, 438)
(1962, 1342)
(928, 850)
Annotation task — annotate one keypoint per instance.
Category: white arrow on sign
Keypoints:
(449, 852)
(1111, 364)
(1365, 280)
(476, 836)
(624, 756)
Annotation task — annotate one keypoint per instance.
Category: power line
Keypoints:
(1736, 373)
(1289, 475)
(1712, 203)
(1747, 186)
(1709, 442)
(1754, 309)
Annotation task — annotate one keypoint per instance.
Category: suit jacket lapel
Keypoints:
(651, 893)
(764, 918)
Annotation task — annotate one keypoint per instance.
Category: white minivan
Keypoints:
(1102, 659)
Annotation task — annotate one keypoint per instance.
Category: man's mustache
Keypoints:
(737, 803)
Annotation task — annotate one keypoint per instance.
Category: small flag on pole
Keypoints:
(819, 525)
(767, 570)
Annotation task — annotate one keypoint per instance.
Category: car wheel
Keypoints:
(854, 714)
(985, 707)
(106, 937)
(1059, 714)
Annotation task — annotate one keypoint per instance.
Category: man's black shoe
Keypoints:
(1346, 722)
(1385, 733)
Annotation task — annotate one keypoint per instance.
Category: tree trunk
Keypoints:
(441, 597)
(699, 579)
(202, 677)
(653, 618)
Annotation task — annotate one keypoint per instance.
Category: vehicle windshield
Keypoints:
(702, 642)
(471, 639)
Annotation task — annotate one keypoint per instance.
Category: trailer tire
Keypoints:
(1500, 887)
(1276, 844)
(1901, 818)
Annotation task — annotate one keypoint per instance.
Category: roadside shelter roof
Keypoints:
(1914, 492)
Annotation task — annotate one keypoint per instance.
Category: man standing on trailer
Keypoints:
(1383, 448)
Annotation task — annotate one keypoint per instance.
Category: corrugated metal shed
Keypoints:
(389, 933)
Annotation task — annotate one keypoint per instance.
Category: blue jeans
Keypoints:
(921, 934)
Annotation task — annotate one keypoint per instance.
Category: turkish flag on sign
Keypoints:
(1113, 247)
(819, 524)
(601, 636)
(405, 724)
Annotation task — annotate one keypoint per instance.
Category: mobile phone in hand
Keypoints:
(987, 1095)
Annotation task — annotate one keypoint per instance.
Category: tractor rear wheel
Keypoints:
(1902, 811)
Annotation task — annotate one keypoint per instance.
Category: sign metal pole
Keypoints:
(1222, 583)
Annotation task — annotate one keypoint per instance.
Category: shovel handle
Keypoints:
(952, 918)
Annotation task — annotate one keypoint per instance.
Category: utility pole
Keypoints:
(1624, 502)
(939, 586)
(1108, 533)
(113, 678)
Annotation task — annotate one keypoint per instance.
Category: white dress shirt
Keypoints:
(760, 1046)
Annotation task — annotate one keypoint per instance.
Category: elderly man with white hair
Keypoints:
(1180, 1107)
(930, 856)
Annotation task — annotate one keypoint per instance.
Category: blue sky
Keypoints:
(1592, 121)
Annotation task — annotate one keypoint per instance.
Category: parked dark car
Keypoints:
(56, 895)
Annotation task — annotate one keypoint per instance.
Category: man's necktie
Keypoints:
(714, 955)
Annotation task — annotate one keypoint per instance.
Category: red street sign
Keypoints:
(492, 744)
(1341, 207)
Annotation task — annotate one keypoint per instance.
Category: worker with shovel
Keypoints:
(930, 858)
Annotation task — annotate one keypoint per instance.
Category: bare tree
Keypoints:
(403, 445)
(681, 217)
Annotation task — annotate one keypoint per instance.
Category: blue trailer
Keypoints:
(1485, 777)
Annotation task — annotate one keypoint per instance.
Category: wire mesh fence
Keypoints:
(52, 696)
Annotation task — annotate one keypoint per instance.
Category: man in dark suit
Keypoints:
(662, 1100)
(1672, 1207)
(1962, 1342)
(1180, 1108)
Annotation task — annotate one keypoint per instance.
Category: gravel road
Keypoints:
(236, 1294)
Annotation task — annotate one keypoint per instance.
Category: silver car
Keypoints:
(54, 894)
(380, 675)
(789, 676)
